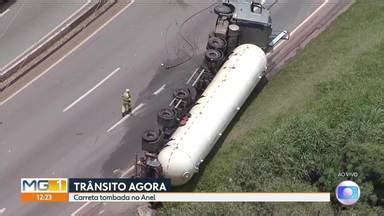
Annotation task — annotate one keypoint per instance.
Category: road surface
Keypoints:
(23, 23)
(67, 121)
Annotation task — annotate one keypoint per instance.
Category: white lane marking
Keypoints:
(125, 117)
(310, 16)
(2, 210)
(131, 169)
(66, 55)
(116, 171)
(302, 23)
(91, 90)
(159, 90)
(45, 36)
(2, 14)
(87, 203)
(79, 209)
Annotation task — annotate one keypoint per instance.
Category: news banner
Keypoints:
(139, 190)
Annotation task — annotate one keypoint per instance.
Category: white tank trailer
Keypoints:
(215, 109)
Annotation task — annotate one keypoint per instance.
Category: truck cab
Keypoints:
(249, 20)
(255, 22)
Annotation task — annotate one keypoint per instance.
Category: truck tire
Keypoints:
(223, 10)
(166, 118)
(152, 141)
(217, 44)
(182, 94)
(212, 55)
(150, 136)
(213, 60)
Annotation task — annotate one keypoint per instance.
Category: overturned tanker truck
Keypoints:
(235, 62)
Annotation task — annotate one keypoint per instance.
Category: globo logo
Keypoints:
(347, 192)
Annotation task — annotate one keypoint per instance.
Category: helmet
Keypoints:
(126, 94)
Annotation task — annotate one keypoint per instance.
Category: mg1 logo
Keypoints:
(50, 185)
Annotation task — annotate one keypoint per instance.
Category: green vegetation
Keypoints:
(323, 114)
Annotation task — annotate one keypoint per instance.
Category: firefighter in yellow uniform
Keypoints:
(126, 107)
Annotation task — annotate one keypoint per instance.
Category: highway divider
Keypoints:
(68, 30)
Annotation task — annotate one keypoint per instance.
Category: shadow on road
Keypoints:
(5, 4)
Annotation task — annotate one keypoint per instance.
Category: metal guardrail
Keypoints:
(12, 73)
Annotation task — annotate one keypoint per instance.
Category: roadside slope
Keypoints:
(323, 114)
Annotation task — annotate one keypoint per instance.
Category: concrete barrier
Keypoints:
(15, 71)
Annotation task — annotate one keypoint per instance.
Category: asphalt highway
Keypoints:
(23, 23)
(67, 122)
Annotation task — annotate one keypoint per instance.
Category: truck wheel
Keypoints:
(150, 136)
(167, 118)
(217, 44)
(152, 141)
(182, 94)
(213, 59)
(212, 55)
(222, 10)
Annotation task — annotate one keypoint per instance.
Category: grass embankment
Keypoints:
(323, 114)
